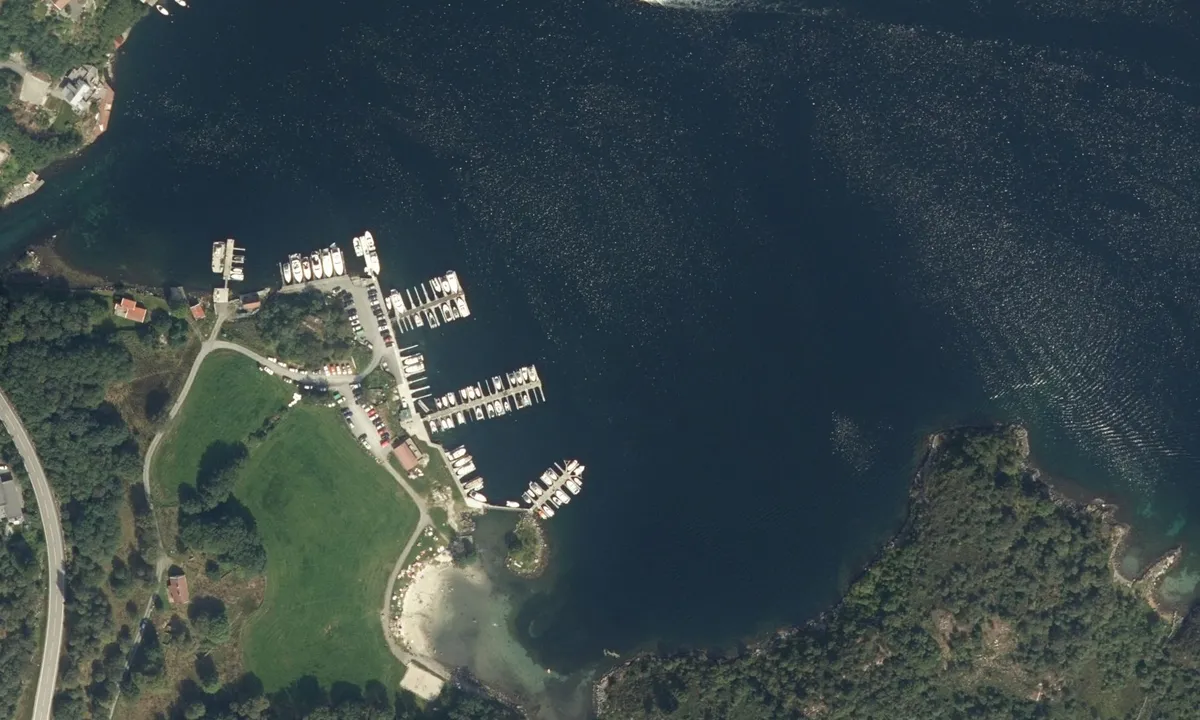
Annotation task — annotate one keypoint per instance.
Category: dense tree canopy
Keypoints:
(997, 602)
(55, 45)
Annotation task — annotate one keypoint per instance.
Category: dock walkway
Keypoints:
(558, 484)
(467, 407)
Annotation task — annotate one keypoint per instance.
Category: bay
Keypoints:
(757, 251)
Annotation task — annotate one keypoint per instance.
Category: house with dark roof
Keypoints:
(12, 505)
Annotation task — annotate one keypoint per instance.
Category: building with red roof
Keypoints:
(177, 590)
(131, 309)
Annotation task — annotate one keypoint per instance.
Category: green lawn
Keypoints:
(333, 523)
(229, 400)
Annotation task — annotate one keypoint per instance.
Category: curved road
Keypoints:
(48, 510)
(211, 344)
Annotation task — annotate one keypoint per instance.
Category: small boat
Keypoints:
(438, 402)
(548, 477)
(554, 501)
(162, 10)
(461, 304)
(461, 461)
(472, 485)
(536, 489)
(579, 471)
(397, 302)
(368, 242)
(507, 405)
(548, 512)
(414, 369)
(511, 504)
(458, 416)
(339, 263)
(562, 497)
(318, 270)
(491, 412)
(356, 243)
(451, 282)
(478, 413)
(414, 360)
(478, 497)
(462, 472)
(181, 3)
(527, 497)
(286, 269)
(458, 452)
(533, 373)
(571, 466)
(574, 486)
(436, 284)
(418, 321)
(297, 272)
(308, 273)
(327, 262)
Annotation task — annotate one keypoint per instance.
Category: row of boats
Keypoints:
(549, 494)
(521, 390)
(364, 247)
(461, 466)
(327, 262)
(439, 299)
(412, 365)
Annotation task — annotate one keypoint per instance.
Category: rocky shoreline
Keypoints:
(1146, 585)
(528, 530)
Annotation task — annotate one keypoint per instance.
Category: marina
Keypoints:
(495, 397)
(438, 300)
(554, 489)
(228, 261)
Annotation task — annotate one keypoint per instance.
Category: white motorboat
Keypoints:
(356, 243)
(461, 304)
(412, 360)
(571, 466)
(181, 3)
(465, 470)
(507, 405)
(478, 413)
(418, 321)
(461, 462)
(397, 302)
(286, 269)
(478, 497)
(451, 282)
(162, 10)
(562, 497)
(297, 271)
(436, 284)
(547, 511)
(537, 489)
(339, 263)
(574, 486)
(458, 452)
(472, 485)
(512, 504)
(317, 269)
(458, 416)
(533, 372)
(527, 497)
(327, 262)
(368, 242)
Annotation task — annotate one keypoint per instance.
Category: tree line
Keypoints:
(997, 601)
(53, 44)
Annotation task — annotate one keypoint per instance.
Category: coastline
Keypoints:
(1116, 534)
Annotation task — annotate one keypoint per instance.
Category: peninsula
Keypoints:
(999, 598)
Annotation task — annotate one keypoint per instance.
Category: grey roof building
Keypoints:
(11, 503)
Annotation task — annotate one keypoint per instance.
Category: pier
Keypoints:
(228, 261)
(433, 302)
(542, 503)
(495, 397)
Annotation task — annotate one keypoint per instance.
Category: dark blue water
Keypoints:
(755, 255)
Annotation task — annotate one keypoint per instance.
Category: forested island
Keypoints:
(998, 599)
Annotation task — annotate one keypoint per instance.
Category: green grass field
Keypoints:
(229, 400)
(333, 523)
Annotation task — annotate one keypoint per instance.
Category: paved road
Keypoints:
(51, 527)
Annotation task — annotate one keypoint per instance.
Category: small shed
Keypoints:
(177, 590)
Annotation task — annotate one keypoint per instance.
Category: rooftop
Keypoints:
(197, 311)
(177, 590)
(130, 309)
(12, 504)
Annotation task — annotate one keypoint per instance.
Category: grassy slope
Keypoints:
(229, 400)
(332, 522)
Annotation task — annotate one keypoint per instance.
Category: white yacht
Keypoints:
(462, 461)
(339, 263)
(461, 303)
(562, 497)
(327, 262)
(507, 405)
(465, 470)
(368, 242)
(462, 420)
(451, 282)
(472, 485)
(478, 497)
(318, 271)
(397, 302)
(547, 511)
(537, 489)
(458, 452)
(308, 273)
(533, 372)
(356, 243)
(161, 9)
(181, 3)
(512, 504)
(286, 269)
(574, 486)
(297, 272)
(527, 497)
(571, 466)
(478, 413)
(436, 284)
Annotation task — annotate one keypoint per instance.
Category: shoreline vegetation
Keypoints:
(998, 597)
(528, 549)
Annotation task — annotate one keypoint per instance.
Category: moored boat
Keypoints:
(339, 263)
(286, 269)
(318, 271)
(512, 504)
(297, 271)
(162, 10)
(458, 452)
(327, 262)
(451, 282)
(308, 273)
(356, 243)
(461, 303)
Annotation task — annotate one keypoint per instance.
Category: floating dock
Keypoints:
(437, 300)
(554, 489)
(496, 397)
